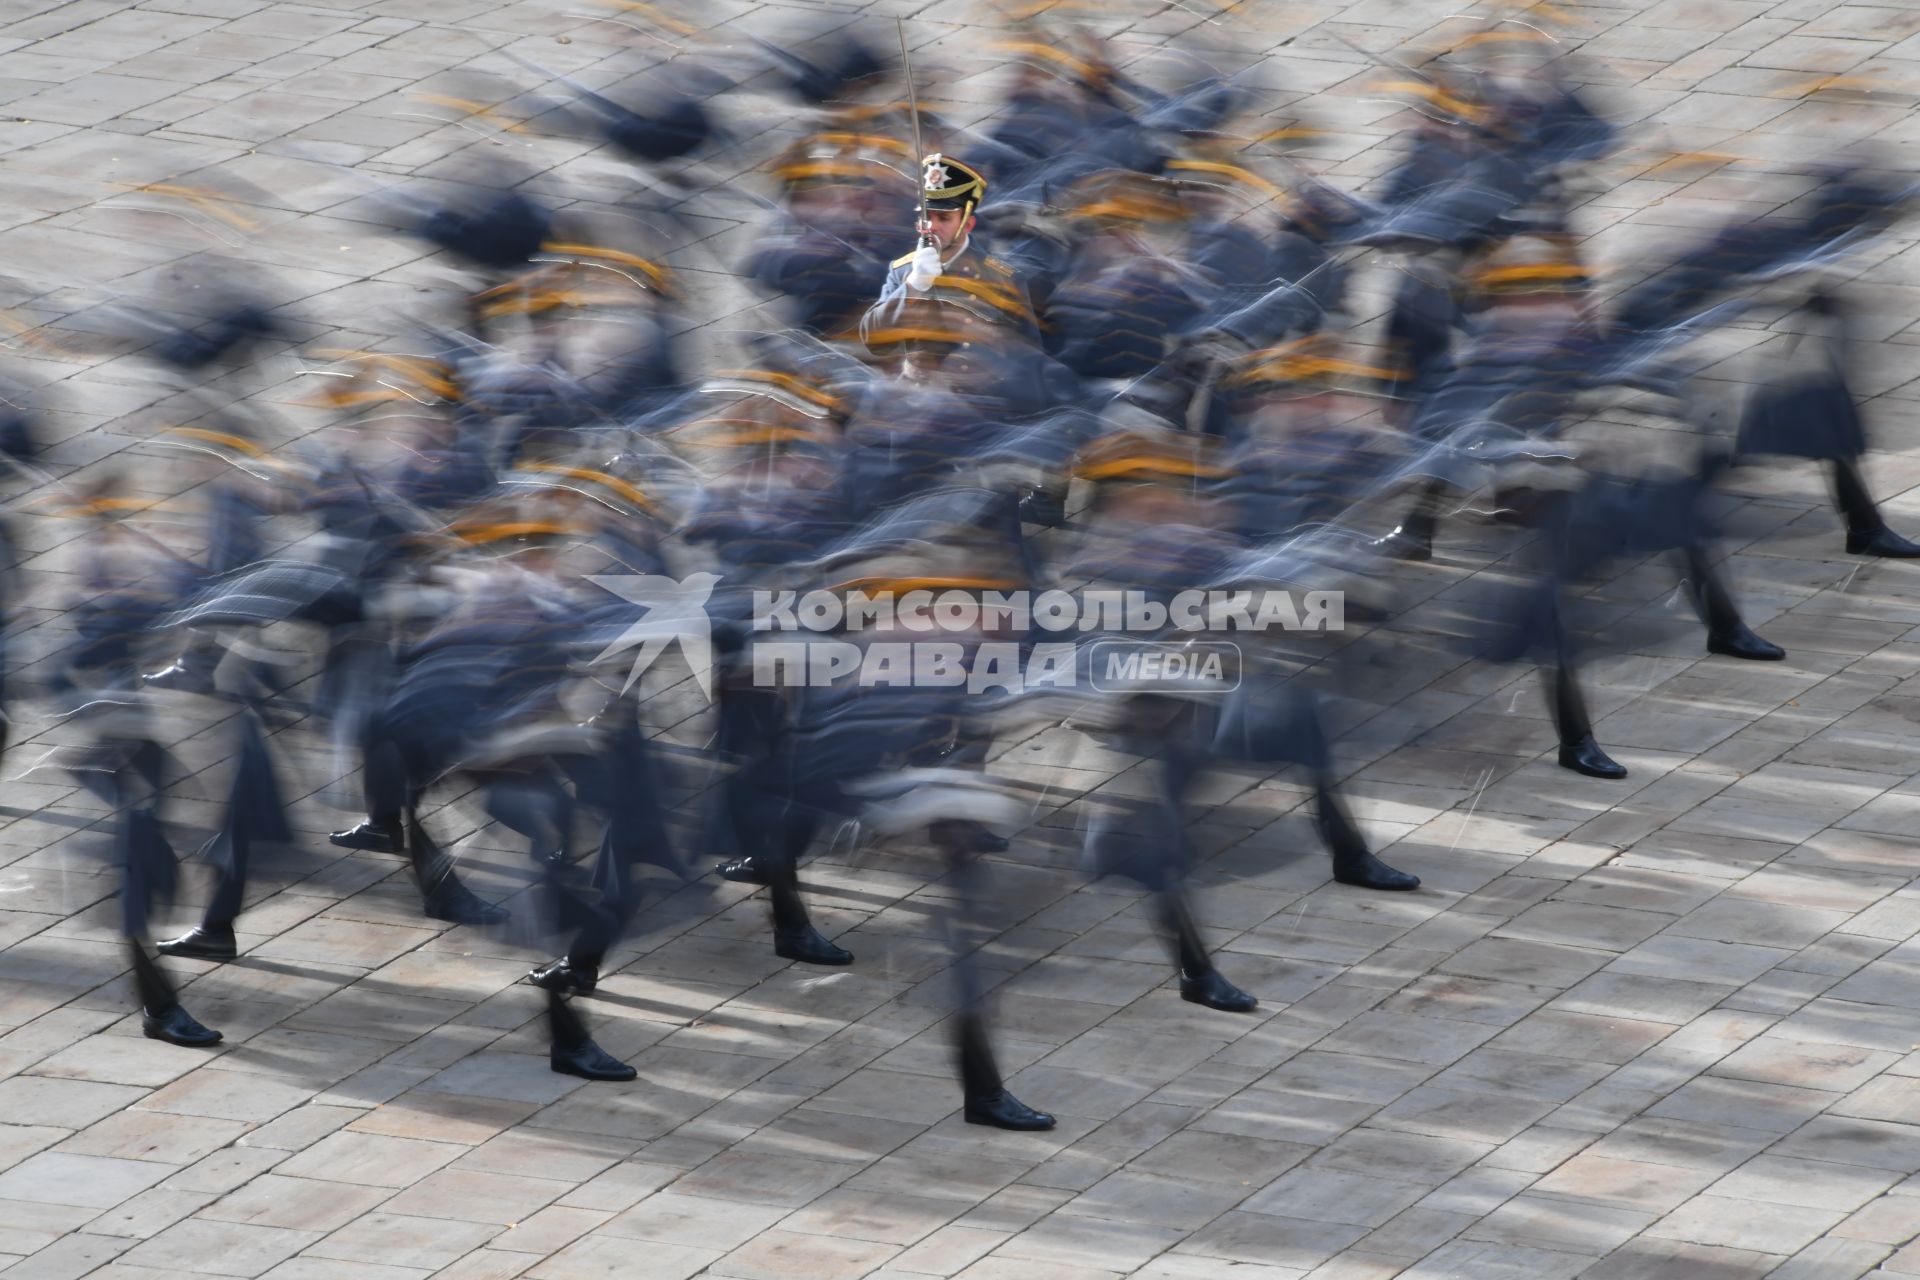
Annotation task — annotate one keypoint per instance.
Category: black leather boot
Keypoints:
(177, 1026)
(1738, 640)
(1726, 633)
(1583, 755)
(373, 835)
(808, 946)
(1200, 982)
(794, 937)
(1412, 538)
(1578, 750)
(565, 977)
(1867, 532)
(1212, 990)
(1001, 1110)
(747, 870)
(987, 1100)
(1882, 542)
(442, 895)
(453, 902)
(161, 1017)
(202, 942)
(1353, 862)
(590, 1062)
(574, 1053)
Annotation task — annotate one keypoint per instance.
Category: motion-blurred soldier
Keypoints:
(1806, 409)
(948, 265)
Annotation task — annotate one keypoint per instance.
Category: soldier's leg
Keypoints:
(1162, 871)
(213, 937)
(1412, 538)
(403, 761)
(1578, 750)
(1353, 862)
(1867, 532)
(594, 913)
(1727, 633)
(794, 936)
(443, 896)
(1200, 981)
(986, 1100)
(256, 811)
(573, 1051)
(161, 1015)
(536, 807)
(383, 780)
(748, 720)
(147, 867)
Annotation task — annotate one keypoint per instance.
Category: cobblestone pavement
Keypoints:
(1663, 1027)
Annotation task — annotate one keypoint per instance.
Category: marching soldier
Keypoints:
(1807, 410)
(948, 266)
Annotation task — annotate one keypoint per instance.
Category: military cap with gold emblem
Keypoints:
(1207, 174)
(792, 391)
(360, 379)
(946, 183)
(1143, 456)
(850, 157)
(236, 450)
(601, 485)
(106, 498)
(756, 414)
(1125, 199)
(1528, 265)
(948, 539)
(1080, 61)
(1313, 365)
(529, 520)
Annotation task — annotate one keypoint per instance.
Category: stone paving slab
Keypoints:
(1657, 1029)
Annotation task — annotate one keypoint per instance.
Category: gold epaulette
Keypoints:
(786, 382)
(731, 433)
(1531, 271)
(239, 444)
(1001, 297)
(483, 533)
(1129, 455)
(900, 586)
(610, 482)
(429, 373)
(1247, 176)
(1156, 464)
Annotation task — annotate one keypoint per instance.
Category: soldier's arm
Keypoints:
(892, 294)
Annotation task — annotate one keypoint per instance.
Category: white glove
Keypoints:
(925, 269)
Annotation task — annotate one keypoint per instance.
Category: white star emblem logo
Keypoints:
(676, 612)
(936, 177)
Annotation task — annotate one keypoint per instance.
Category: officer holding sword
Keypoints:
(947, 266)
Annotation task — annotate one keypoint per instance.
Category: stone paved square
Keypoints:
(1666, 1028)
